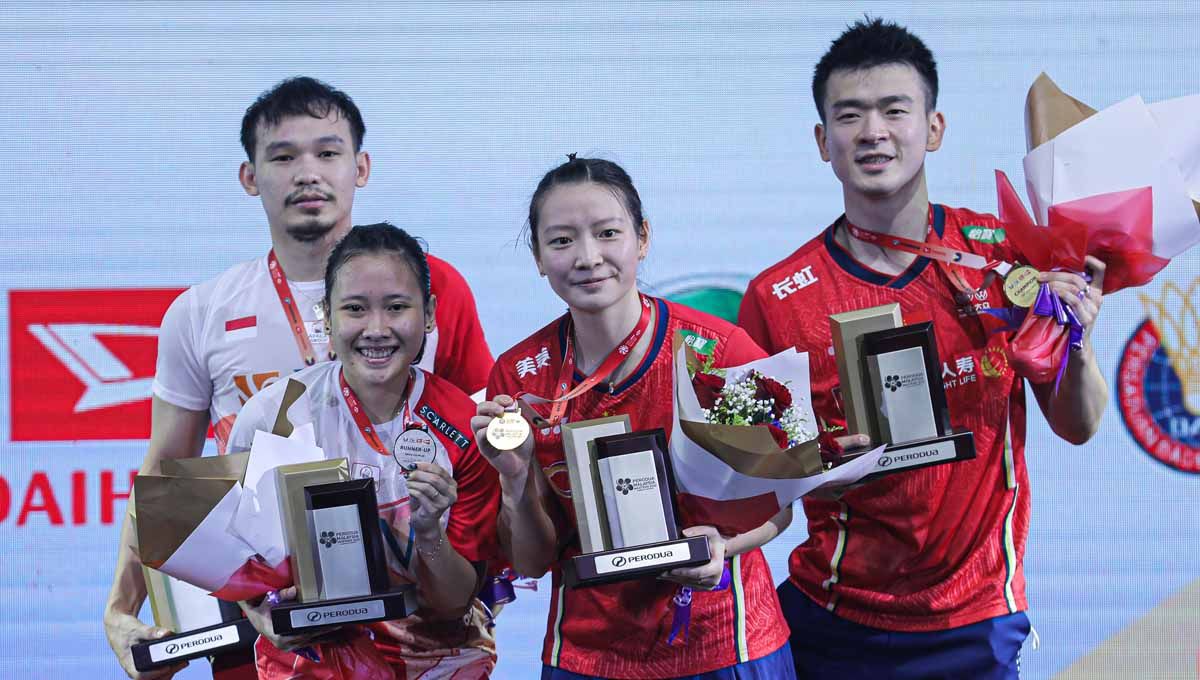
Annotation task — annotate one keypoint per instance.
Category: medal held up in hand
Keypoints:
(414, 445)
(1021, 286)
(508, 431)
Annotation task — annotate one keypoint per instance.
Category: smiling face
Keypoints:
(588, 246)
(377, 319)
(878, 130)
(305, 170)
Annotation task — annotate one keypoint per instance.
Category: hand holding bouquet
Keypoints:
(744, 442)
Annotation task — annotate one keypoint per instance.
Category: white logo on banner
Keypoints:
(107, 380)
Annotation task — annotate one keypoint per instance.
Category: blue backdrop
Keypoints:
(120, 174)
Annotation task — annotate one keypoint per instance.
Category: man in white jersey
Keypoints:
(224, 340)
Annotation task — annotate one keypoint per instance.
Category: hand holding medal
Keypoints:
(502, 434)
(432, 491)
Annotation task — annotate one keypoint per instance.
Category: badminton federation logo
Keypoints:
(1158, 379)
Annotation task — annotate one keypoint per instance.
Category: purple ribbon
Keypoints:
(501, 589)
(1046, 304)
(681, 618)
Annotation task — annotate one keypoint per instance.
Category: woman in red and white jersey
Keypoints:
(371, 405)
(611, 354)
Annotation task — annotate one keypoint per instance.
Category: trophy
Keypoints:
(892, 390)
(623, 491)
(205, 626)
(336, 546)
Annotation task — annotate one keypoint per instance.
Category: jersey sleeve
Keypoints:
(180, 377)
(753, 321)
(251, 418)
(472, 526)
(739, 349)
(498, 382)
(462, 355)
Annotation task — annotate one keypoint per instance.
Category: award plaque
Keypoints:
(629, 505)
(291, 480)
(580, 451)
(892, 383)
(206, 626)
(220, 638)
(349, 568)
(847, 330)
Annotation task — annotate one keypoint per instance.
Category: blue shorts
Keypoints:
(827, 646)
(775, 666)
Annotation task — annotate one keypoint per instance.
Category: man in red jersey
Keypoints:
(224, 340)
(917, 574)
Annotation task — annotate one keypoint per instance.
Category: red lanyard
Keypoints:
(290, 310)
(360, 415)
(564, 393)
(948, 259)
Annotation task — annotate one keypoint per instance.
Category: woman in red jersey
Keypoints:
(588, 235)
(405, 428)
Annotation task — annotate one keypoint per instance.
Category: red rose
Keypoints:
(770, 388)
(780, 436)
(708, 388)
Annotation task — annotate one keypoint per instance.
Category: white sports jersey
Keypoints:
(224, 340)
(338, 434)
(470, 524)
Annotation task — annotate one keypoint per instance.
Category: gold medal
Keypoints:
(1021, 286)
(508, 431)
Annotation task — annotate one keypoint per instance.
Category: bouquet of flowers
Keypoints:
(755, 399)
(744, 442)
(1121, 184)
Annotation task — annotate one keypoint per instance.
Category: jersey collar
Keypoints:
(852, 267)
(656, 343)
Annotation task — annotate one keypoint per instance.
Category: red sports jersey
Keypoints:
(927, 549)
(620, 630)
(461, 355)
(469, 524)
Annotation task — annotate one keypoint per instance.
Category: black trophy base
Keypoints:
(299, 617)
(948, 448)
(214, 640)
(608, 566)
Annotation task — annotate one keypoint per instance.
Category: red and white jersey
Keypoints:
(620, 630)
(926, 549)
(470, 523)
(224, 340)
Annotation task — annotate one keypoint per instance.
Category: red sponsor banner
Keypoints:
(82, 498)
(82, 362)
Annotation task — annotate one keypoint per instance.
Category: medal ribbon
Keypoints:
(563, 393)
(946, 257)
(360, 415)
(290, 310)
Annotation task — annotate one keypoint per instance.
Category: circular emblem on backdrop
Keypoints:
(1158, 393)
(716, 294)
(314, 616)
(618, 561)
(172, 648)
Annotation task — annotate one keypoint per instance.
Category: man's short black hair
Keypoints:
(875, 42)
(300, 96)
